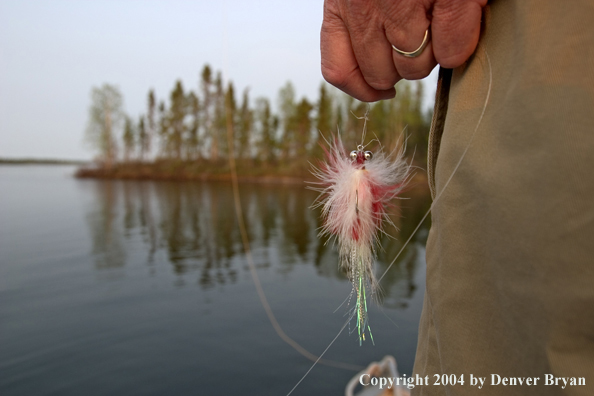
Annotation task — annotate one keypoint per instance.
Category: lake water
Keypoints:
(143, 288)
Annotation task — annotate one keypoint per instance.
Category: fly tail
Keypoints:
(362, 279)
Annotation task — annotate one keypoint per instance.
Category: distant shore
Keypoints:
(40, 161)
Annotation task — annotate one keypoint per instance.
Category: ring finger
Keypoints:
(417, 67)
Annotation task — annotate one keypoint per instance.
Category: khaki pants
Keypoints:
(510, 255)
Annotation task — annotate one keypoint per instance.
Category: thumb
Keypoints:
(455, 29)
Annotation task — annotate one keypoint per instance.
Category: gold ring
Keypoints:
(416, 52)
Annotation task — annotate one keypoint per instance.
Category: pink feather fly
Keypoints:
(355, 191)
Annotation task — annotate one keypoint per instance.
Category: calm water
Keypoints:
(142, 288)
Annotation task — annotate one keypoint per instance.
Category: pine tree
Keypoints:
(420, 124)
(207, 111)
(338, 119)
(245, 126)
(143, 139)
(286, 99)
(152, 126)
(177, 116)
(323, 121)
(193, 141)
(220, 120)
(302, 123)
(129, 140)
(267, 126)
(163, 129)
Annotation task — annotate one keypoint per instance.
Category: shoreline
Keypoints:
(155, 173)
(190, 172)
(42, 161)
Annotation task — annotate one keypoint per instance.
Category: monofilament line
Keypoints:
(322, 354)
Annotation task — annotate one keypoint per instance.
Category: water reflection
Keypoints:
(108, 249)
(193, 225)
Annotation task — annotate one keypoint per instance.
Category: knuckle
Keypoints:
(334, 76)
(342, 80)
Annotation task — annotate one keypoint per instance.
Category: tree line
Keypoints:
(191, 125)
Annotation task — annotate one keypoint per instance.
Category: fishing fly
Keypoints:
(332, 175)
(355, 191)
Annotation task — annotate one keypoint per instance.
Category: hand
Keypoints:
(357, 38)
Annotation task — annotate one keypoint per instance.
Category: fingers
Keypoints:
(339, 63)
(357, 38)
(406, 31)
(416, 68)
(456, 29)
(374, 26)
(356, 45)
(373, 51)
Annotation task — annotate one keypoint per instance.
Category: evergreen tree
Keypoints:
(400, 119)
(128, 138)
(143, 139)
(152, 126)
(177, 126)
(163, 129)
(207, 110)
(302, 123)
(267, 126)
(338, 119)
(323, 121)
(230, 122)
(419, 126)
(286, 99)
(220, 120)
(246, 124)
(193, 142)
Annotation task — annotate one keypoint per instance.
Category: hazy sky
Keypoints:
(53, 52)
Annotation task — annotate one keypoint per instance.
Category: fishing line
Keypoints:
(322, 354)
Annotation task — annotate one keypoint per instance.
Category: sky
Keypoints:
(53, 52)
